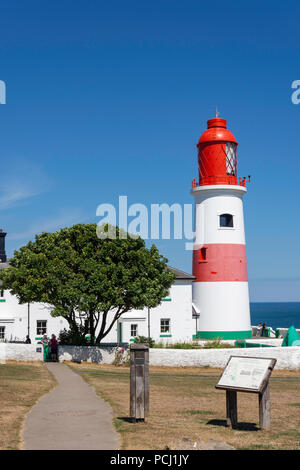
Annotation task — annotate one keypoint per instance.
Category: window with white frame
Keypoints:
(133, 330)
(226, 220)
(2, 332)
(165, 325)
(41, 327)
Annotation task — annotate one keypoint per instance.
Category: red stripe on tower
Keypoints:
(220, 262)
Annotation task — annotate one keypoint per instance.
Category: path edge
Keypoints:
(22, 428)
(105, 400)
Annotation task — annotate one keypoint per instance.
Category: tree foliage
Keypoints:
(84, 277)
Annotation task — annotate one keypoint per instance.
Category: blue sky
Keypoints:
(109, 98)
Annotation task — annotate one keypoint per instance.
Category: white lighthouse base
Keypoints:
(224, 309)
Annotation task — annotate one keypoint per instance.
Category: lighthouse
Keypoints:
(220, 288)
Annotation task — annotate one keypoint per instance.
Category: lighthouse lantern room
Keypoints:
(220, 289)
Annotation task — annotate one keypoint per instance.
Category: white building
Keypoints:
(171, 321)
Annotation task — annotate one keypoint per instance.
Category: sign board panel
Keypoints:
(246, 373)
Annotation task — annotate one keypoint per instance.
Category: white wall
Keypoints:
(34, 352)
(179, 311)
(87, 353)
(224, 306)
(287, 357)
(21, 352)
(210, 202)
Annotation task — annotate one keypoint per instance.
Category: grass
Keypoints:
(21, 385)
(184, 404)
(210, 344)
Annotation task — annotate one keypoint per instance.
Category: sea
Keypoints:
(276, 314)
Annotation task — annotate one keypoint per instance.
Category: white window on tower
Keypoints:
(133, 330)
(226, 220)
(231, 158)
(2, 332)
(41, 327)
(165, 325)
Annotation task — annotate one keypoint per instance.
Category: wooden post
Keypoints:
(146, 372)
(264, 408)
(231, 408)
(132, 386)
(139, 381)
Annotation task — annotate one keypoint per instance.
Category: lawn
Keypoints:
(21, 385)
(185, 406)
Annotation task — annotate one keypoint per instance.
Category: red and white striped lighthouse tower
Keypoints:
(220, 290)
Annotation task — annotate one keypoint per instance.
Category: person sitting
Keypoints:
(28, 340)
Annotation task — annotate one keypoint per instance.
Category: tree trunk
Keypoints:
(92, 329)
(102, 332)
(72, 323)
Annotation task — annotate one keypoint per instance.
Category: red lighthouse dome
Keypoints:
(217, 150)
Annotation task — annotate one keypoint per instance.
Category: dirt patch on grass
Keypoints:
(21, 385)
(185, 407)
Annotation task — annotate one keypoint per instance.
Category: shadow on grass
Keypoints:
(127, 419)
(238, 426)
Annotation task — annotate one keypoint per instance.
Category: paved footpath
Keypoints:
(70, 417)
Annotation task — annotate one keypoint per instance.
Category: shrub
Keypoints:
(214, 344)
(73, 338)
(217, 344)
(145, 339)
(183, 346)
(122, 357)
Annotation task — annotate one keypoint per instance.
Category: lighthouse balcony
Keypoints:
(216, 180)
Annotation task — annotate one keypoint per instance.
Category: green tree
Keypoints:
(87, 277)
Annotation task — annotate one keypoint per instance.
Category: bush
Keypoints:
(182, 346)
(213, 344)
(217, 344)
(145, 339)
(122, 357)
(163, 345)
(73, 338)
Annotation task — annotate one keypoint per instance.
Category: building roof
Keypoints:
(181, 274)
(178, 273)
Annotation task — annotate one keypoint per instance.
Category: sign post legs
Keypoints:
(264, 408)
(231, 408)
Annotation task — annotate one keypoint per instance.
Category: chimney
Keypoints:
(2, 247)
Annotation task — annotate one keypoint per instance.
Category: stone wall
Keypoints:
(21, 352)
(104, 355)
(287, 357)
(34, 352)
